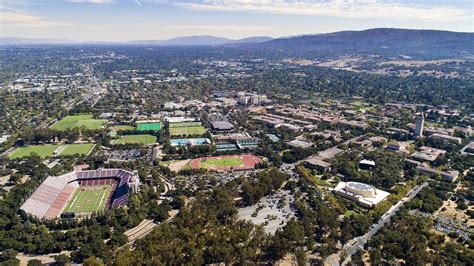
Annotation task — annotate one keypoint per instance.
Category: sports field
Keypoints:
(81, 149)
(185, 124)
(77, 121)
(123, 128)
(187, 131)
(149, 127)
(220, 162)
(226, 163)
(49, 150)
(136, 139)
(88, 199)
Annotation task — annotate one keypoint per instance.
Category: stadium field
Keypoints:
(123, 128)
(149, 127)
(226, 163)
(77, 121)
(136, 139)
(187, 131)
(49, 150)
(89, 199)
(185, 124)
(221, 162)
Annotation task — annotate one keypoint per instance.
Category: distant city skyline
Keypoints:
(124, 20)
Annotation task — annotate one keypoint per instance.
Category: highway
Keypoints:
(351, 247)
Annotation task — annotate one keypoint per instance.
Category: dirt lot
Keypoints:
(453, 213)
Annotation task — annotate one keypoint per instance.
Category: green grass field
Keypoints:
(149, 127)
(187, 131)
(81, 149)
(42, 151)
(89, 199)
(221, 162)
(185, 124)
(48, 150)
(123, 128)
(77, 121)
(136, 139)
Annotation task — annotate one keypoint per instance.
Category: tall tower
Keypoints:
(419, 124)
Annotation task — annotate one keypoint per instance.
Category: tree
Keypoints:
(92, 261)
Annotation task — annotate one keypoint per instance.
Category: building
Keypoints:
(449, 176)
(427, 154)
(419, 124)
(299, 144)
(316, 162)
(222, 126)
(179, 119)
(447, 138)
(468, 149)
(366, 164)
(234, 141)
(365, 195)
(255, 100)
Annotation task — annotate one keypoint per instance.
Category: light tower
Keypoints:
(419, 124)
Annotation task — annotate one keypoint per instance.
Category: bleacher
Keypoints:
(52, 196)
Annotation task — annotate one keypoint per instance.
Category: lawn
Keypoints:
(48, 150)
(81, 149)
(185, 124)
(187, 131)
(149, 127)
(42, 151)
(77, 121)
(136, 139)
(220, 162)
(88, 199)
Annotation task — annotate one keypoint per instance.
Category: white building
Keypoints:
(419, 124)
(365, 195)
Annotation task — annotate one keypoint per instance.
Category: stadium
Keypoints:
(81, 193)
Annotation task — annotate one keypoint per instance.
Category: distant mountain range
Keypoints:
(383, 41)
(198, 40)
(379, 41)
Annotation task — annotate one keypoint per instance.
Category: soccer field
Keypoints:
(42, 151)
(89, 199)
(220, 162)
(81, 149)
(136, 139)
(187, 131)
(49, 150)
(77, 121)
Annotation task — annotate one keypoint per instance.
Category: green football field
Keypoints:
(149, 127)
(88, 199)
(77, 121)
(136, 139)
(187, 131)
(221, 162)
(48, 150)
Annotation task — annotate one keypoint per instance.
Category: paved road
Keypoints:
(351, 247)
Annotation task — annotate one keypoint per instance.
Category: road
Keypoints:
(351, 247)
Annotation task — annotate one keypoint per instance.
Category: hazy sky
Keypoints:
(119, 20)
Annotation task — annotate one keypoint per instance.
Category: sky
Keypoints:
(123, 20)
